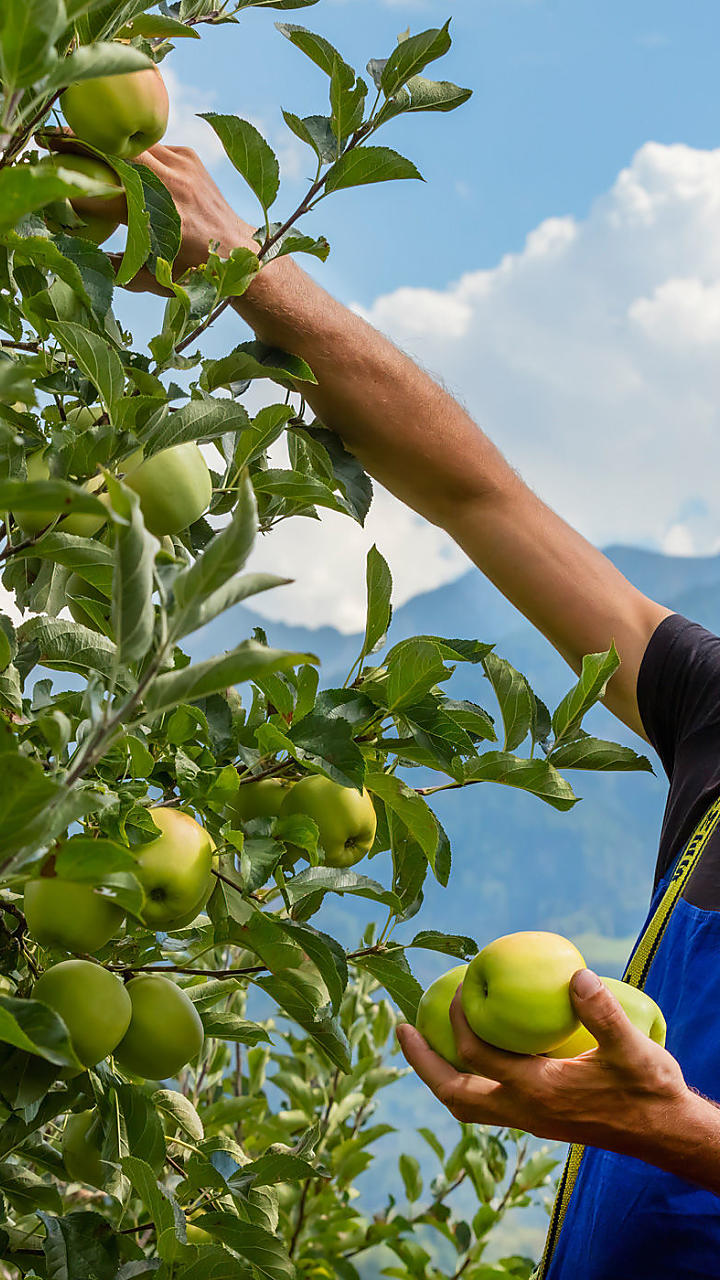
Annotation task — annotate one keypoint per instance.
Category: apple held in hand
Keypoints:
(70, 915)
(92, 1002)
(174, 488)
(175, 870)
(165, 1030)
(516, 992)
(261, 799)
(121, 115)
(100, 214)
(640, 1008)
(433, 1015)
(345, 818)
(81, 1145)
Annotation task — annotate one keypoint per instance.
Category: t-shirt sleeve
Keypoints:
(678, 687)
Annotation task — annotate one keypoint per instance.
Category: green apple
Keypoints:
(262, 799)
(433, 1015)
(640, 1008)
(80, 523)
(100, 214)
(196, 1234)
(175, 870)
(121, 115)
(92, 1002)
(345, 818)
(174, 487)
(81, 1145)
(165, 1030)
(78, 590)
(82, 416)
(516, 992)
(70, 915)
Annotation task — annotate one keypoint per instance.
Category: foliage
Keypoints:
(268, 1162)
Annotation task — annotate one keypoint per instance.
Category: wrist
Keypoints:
(683, 1138)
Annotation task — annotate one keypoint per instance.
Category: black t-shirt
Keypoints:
(679, 699)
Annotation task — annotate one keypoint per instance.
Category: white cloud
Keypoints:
(185, 128)
(592, 357)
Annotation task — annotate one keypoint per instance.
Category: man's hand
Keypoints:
(628, 1095)
(206, 217)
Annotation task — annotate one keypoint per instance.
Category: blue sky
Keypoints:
(559, 269)
(564, 93)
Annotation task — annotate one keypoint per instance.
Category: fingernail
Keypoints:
(585, 984)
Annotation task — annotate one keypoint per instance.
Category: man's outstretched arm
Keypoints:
(418, 442)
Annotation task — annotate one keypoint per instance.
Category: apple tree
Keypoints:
(191, 1064)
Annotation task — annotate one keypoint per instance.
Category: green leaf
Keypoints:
(420, 94)
(513, 694)
(80, 1243)
(196, 588)
(536, 776)
(265, 1252)
(32, 1026)
(594, 753)
(597, 668)
(317, 132)
(337, 880)
(102, 58)
(248, 151)
(379, 606)
(67, 646)
(245, 662)
(409, 1169)
(393, 972)
(28, 33)
(199, 420)
(327, 747)
(160, 1206)
(27, 792)
(180, 1111)
(25, 187)
(366, 165)
(267, 427)
(412, 810)
(253, 360)
(411, 56)
(450, 944)
(287, 991)
(326, 954)
(267, 1170)
(156, 24)
(95, 357)
(317, 48)
(230, 1026)
(133, 613)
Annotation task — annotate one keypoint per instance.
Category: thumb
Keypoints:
(603, 1015)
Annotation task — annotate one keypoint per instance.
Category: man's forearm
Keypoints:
(409, 433)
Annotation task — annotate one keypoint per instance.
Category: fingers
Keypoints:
(478, 1056)
(603, 1015)
(471, 1099)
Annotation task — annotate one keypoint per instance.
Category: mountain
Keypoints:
(517, 863)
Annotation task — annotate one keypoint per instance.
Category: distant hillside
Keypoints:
(517, 863)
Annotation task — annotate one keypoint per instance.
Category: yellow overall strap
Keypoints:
(636, 974)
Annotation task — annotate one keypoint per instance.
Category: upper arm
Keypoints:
(567, 588)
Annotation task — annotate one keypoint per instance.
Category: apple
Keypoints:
(81, 1145)
(92, 1002)
(196, 1234)
(345, 818)
(175, 870)
(516, 992)
(640, 1008)
(262, 799)
(174, 487)
(165, 1030)
(433, 1015)
(121, 115)
(82, 416)
(100, 214)
(81, 523)
(76, 590)
(70, 915)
